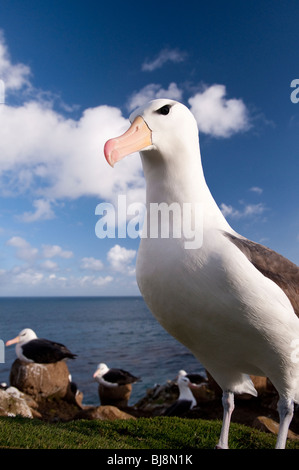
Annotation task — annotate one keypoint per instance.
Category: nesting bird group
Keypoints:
(115, 385)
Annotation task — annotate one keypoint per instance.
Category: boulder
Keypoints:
(13, 403)
(115, 396)
(103, 413)
(263, 423)
(40, 380)
(159, 398)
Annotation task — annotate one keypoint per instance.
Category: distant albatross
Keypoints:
(30, 348)
(232, 302)
(113, 377)
(185, 401)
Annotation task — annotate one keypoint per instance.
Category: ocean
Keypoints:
(119, 331)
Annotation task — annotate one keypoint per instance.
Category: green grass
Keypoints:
(143, 433)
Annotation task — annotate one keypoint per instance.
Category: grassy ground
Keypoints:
(144, 433)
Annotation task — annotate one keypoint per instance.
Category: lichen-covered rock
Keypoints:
(40, 380)
(13, 403)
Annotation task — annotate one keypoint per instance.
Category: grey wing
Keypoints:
(272, 265)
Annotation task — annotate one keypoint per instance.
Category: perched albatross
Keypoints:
(193, 377)
(232, 302)
(30, 348)
(185, 401)
(113, 377)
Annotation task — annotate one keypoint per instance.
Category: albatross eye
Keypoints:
(164, 110)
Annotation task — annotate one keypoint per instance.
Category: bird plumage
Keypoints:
(30, 348)
(231, 301)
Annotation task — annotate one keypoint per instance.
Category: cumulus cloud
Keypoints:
(39, 270)
(14, 76)
(256, 189)
(52, 157)
(216, 115)
(28, 277)
(43, 211)
(248, 210)
(52, 251)
(94, 281)
(65, 157)
(49, 265)
(24, 250)
(166, 55)
(154, 91)
(120, 259)
(92, 264)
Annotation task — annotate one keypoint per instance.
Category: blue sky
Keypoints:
(73, 71)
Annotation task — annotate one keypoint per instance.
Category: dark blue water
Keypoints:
(119, 331)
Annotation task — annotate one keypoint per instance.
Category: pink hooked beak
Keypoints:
(12, 341)
(136, 138)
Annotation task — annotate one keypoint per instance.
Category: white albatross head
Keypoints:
(23, 337)
(102, 369)
(164, 126)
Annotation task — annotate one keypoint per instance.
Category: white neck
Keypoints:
(180, 180)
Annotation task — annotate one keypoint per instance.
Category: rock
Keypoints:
(115, 396)
(263, 423)
(202, 393)
(40, 380)
(103, 412)
(159, 398)
(14, 404)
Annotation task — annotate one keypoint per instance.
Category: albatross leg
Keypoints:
(286, 410)
(228, 408)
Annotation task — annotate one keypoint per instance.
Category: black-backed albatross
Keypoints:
(231, 301)
(113, 377)
(30, 348)
(186, 400)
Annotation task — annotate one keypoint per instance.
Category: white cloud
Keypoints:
(102, 281)
(51, 157)
(92, 264)
(65, 157)
(49, 265)
(43, 211)
(166, 55)
(24, 250)
(120, 259)
(248, 210)
(94, 281)
(14, 76)
(216, 115)
(28, 277)
(256, 189)
(52, 251)
(154, 91)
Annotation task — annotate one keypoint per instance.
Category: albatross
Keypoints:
(113, 377)
(233, 302)
(30, 348)
(185, 401)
